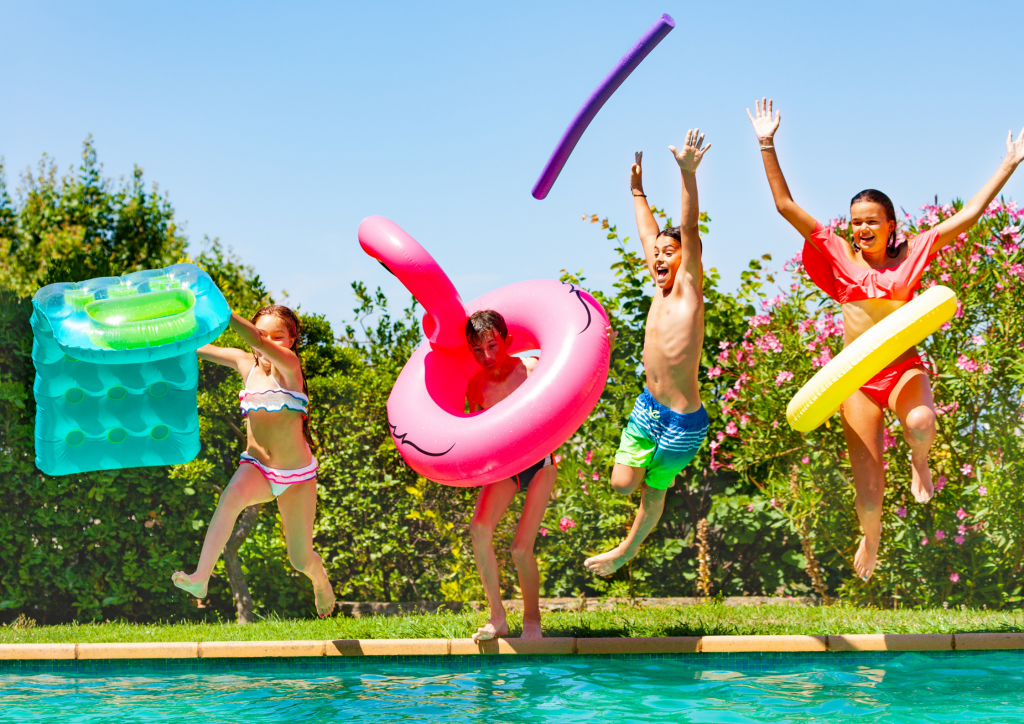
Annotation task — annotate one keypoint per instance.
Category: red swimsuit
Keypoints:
(829, 266)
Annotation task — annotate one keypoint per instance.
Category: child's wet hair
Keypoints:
(482, 322)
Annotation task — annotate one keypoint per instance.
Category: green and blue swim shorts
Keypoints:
(661, 440)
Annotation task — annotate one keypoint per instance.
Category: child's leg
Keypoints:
(537, 497)
(247, 487)
(912, 402)
(652, 504)
(862, 425)
(298, 513)
(626, 478)
(490, 506)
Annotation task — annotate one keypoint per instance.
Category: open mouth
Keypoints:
(661, 272)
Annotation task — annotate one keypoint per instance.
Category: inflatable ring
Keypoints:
(426, 409)
(868, 355)
(654, 35)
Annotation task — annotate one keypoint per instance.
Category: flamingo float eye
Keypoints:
(426, 409)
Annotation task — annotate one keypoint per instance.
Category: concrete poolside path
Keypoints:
(513, 646)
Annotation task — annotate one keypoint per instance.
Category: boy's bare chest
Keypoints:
(490, 392)
(671, 325)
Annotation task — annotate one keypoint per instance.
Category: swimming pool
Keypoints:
(802, 687)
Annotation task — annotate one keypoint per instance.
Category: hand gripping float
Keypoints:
(433, 433)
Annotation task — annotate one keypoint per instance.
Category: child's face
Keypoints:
(491, 349)
(275, 330)
(871, 225)
(667, 259)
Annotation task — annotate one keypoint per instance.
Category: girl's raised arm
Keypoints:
(227, 356)
(966, 217)
(765, 127)
(280, 357)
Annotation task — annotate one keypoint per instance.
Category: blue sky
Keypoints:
(277, 127)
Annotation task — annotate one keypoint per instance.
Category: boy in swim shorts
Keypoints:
(499, 375)
(668, 422)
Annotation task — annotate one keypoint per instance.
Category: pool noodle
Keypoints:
(657, 32)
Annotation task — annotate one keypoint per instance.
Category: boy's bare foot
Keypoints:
(867, 556)
(190, 584)
(921, 479)
(606, 564)
(324, 596)
(491, 630)
(531, 629)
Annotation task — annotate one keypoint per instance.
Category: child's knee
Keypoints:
(522, 554)
(479, 531)
(625, 480)
(921, 422)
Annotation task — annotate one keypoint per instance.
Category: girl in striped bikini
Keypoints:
(277, 463)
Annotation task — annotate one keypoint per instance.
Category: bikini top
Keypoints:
(271, 400)
(829, 267)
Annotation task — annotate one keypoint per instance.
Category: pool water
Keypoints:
(876, 687)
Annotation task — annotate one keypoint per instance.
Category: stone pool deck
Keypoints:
(512, 646)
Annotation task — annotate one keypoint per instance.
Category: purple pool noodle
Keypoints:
(601, 94)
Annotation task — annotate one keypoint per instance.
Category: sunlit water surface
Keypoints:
(903, 688)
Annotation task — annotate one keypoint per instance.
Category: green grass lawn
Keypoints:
(700, 620)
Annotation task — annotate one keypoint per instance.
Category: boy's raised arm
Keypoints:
(646, 224)
(689, 159)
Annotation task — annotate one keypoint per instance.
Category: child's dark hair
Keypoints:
(291, 319)
(672, 232)
(874, 196)
(486, 320)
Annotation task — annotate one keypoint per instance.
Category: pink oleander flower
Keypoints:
(901, 511)
(885, 465)
(724, 345)
(804, 326)
(977, 340)
(924, 541)
(959, 311)
(782, 377)
(543, 531)
(944, 277)
(966, 363)
(774, 503)
(750, 507)
(961, 529)
(759, 320)
(940, 534)
(775, 423)
(558, 459)
(720, 436)
(945, 326)
(744, 419)
(730, 394)
(723, 356)
(805, 460)
(982, 491)
(769, 343)
(714, 372)
(954, 577)
(589, 457)
(959, 540)
(566, 523)
(579, 474)
(595, 476)
(961, 514)
(986, 368)
(940, 483)
(731, 428)
(888, 440)
(773, 302)
(967, 469)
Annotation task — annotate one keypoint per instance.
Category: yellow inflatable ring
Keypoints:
(868, 355)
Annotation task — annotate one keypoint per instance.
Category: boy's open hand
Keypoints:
(612, 335)
(636, 182)
(764, 125)
(689, 158)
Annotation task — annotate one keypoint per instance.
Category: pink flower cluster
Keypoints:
(769, 343)
(566, 523)
(966, 363)
(782, 377)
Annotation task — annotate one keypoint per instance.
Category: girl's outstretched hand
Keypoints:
(636, 182)
(764, 125)
(689, 158)
(1015, 149)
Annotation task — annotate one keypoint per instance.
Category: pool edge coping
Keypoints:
(513, 646)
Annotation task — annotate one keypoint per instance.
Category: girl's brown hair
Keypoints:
(291, 319)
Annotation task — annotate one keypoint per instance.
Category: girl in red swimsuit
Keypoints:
(871, 278)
